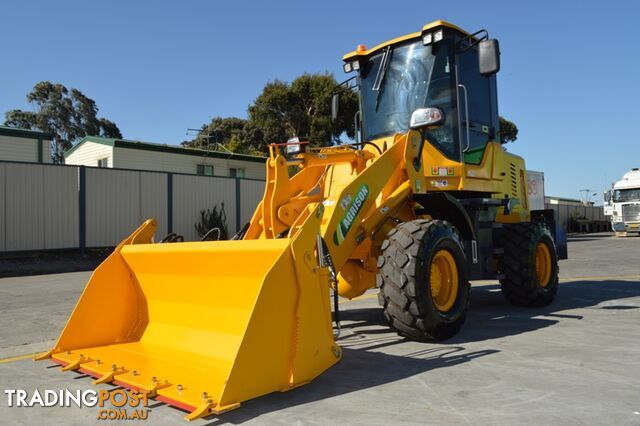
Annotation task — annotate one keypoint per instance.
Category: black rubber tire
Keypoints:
(520, 282)
(403, 277)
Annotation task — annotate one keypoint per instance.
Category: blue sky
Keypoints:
(570, 75)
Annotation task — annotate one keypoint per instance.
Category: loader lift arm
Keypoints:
(360, 190)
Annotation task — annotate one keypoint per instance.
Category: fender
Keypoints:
(440, 205)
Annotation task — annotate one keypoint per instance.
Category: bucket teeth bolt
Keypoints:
(135, 373)
(98, 362)
(179, 388)
(154, 379)
(114, 367)
(205, 396)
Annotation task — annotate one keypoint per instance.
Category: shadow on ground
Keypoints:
(581, 239)
(57, 262)
(490, 317)
(358, 369)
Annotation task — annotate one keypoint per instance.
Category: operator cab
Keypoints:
(443, 75)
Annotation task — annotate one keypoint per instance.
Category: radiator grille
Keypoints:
(631, 212)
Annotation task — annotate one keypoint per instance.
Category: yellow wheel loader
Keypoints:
(426, 200)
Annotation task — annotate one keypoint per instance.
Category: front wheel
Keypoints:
(529, 265)
(424, 291)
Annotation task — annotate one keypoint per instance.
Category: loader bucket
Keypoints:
(205, 325)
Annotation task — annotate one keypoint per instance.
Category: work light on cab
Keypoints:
(351, 66)
(434, 37)
(295, 146)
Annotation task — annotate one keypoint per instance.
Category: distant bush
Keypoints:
(213, 224)
(574, 217)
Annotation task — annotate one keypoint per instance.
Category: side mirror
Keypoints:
(335, 105)
(607, 196)
(489, 57)
(423, 117)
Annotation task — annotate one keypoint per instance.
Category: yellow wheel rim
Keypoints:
(443, 280)
(543, 264)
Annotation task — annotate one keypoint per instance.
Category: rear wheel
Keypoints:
(530, 265)
(422, 278)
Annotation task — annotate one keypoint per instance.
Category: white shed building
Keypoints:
(24, 145)
(127, 154)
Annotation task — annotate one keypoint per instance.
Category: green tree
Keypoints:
(508, 130)
(232, 133)
(283, 110)
(67, 114)
(219, 130)
(273, 112)
(303, 109)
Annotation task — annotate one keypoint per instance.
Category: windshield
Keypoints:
(416, 76)
(622, 195)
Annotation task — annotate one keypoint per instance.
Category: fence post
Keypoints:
(238, 205)
(82, 205)
(169, 203)
(40, 157)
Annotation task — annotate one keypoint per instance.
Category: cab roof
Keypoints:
(629, 180)
(427, 27)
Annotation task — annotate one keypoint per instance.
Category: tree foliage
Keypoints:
(303, 109)
(67, 114)
(508, 130)
(283, 110)
(228, 132)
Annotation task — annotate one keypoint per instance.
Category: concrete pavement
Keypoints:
(576, 361)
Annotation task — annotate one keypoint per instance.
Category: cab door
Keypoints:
(477, 111)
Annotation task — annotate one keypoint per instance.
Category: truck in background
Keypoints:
(622, 204)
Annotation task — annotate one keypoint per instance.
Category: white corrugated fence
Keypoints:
(44, 206)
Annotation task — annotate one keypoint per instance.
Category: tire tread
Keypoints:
(399, 293)
(520, 285)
